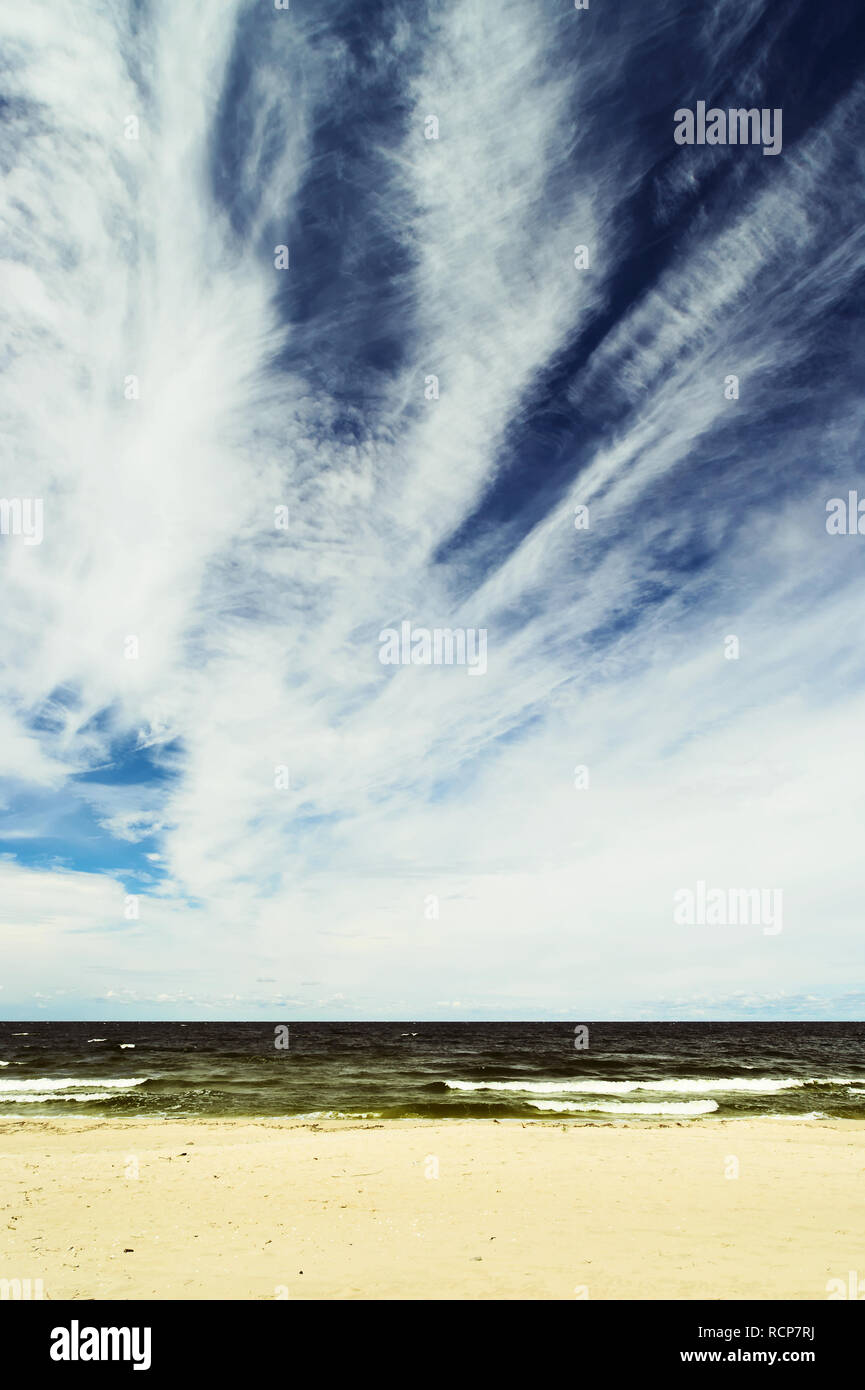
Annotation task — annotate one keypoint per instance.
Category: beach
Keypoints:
(466, 1209)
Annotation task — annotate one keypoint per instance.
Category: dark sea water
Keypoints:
(530, 1071)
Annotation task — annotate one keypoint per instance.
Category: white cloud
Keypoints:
(258, 649)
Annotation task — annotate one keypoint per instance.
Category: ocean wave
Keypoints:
(676, 1085)
(70, 1083)
(53, 1098)
(612, 1107)
(337, 1115)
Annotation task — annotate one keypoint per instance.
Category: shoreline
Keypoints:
(268, 1208)
(18, 1124)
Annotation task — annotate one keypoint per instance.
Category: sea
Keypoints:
(596, 1073)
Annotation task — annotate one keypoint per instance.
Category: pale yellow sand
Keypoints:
(258, 1210)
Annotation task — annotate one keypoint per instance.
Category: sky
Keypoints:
(298, 346)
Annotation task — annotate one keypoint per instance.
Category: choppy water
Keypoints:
(629, 1071)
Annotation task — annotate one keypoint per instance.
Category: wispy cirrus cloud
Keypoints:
(194, 712)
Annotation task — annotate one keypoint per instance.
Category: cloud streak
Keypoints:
(247, 475)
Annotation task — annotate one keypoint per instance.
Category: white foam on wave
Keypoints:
(675, 1085)
(52, 1097)
(336, 1115)
(69, 1083)
(613, 1107)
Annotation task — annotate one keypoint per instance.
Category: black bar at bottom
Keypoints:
(245, 1338)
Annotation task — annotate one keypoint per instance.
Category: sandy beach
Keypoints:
(427, 1210)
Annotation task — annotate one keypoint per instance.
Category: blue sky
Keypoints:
(167, 388)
